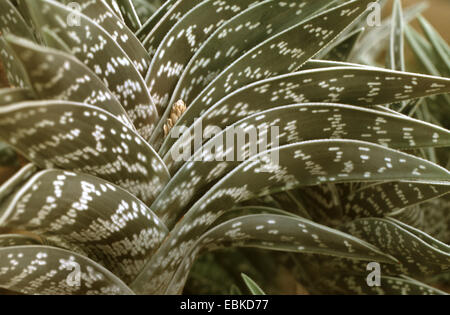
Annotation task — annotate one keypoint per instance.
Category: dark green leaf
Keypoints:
(87, 139)
(49, 270)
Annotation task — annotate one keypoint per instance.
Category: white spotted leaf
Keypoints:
(84, 138)
(48, 270)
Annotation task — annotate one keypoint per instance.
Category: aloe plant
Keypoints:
(99, 91)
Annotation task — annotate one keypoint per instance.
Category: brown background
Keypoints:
(438, 14)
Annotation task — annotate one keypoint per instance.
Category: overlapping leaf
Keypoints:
(183, 40)
(87, 139)
(9, 240)
(192, 61)
(313, 122)
(280, 54)
(154, 19)
(87, 215)
(146, 8)
(92, 45)
(12, 22)
(277, 233)
(129, 13)
(62, 77)
(381, 199)
(16, 181)
(300, 164)
(173, 11)
(15, 72)
(329, 85)
(417, 256)
(103, 15)
(49, 270)
(356, 284)
(14, 95)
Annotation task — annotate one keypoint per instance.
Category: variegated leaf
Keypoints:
(16, 181)
(357, 284)
(315, 121)
(59, 76)
(128, 13)
(50, 270)
(89, 216)
(417, 256)
(154, 19)
(422, 235)
(275, 232)
(103, 15)
(14, 95)
(183, 40)
(87, 139)
(374, 86)
(436, 218)
(15, 72)
(173, 11)
(92, 45)
(277, 55)
(383, 198)
(342, 50)
(146, 8)
(12, 22)
(9, 240)
(301, 164)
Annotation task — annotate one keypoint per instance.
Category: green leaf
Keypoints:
(341, 50)
(98, 50)
(129, 13)
(180, 59)
(301, 164)
(383, 198)
(9, 240)
(424, 236)
(312, 122)
(396, 59)
(100, 13)
(252, 286)
(172, 12)
(12, 22)
(15, 72)
(417, 256)
(277, 55)
(356, 284)
(420, 49)
(16, 181)
(85, 139)
(374, 86)
(89, 216)
(7, 155)
(48, 271)
(273, 232)
(62, 77)
(14, 95)
(146, 8)
(436, 40)
(154, 19)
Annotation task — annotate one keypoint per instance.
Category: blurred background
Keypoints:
(438, 13)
